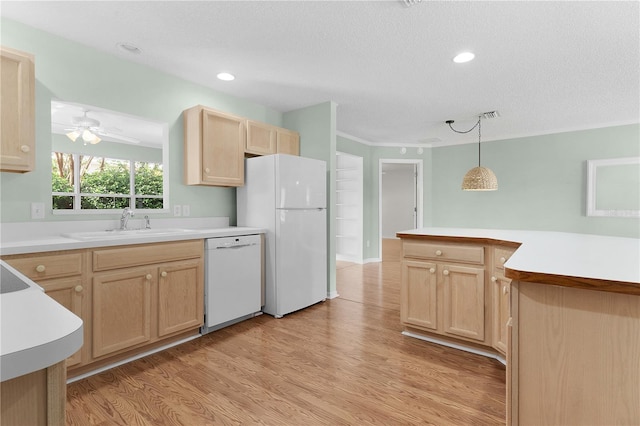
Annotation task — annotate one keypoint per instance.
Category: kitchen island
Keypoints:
(37, 336)
(573, 324)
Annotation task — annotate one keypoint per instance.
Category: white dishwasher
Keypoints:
(233, 280)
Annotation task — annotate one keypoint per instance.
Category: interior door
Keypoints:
(399, 198)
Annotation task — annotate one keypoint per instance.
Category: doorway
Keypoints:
(400, 199)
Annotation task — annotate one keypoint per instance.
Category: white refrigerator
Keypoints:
(287, 195)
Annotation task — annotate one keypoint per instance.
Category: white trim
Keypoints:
(352, 259)
(592, 167)
(461, 347)
(133, 358)
(419, 193)
(486, 139)
(373, 260)
(332, 294)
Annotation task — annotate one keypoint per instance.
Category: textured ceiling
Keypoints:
(546, 66)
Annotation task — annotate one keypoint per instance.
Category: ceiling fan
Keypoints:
(89, 130)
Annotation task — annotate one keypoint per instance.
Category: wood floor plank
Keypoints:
(341, 362)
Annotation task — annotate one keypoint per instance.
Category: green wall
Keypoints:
(317, 128)
(72, 72)
(542, 183)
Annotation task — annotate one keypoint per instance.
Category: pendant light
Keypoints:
(478, 178)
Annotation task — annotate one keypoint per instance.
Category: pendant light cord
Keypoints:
(450, 122)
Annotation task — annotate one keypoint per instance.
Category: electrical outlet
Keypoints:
(186, 210)
(177, 210)
(37, 210)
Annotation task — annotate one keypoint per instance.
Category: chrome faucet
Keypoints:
(126, 215)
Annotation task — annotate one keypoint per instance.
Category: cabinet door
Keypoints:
(223, 141)
(180, 296)
(288, 142)
(463, 306)
(17, 111)
(501, 287)
(72, 294)
(418, 294)
(261, 138)
(121, 309)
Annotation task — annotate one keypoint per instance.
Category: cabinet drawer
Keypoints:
(500, 256)
(45, 266)
(145, 254)
(449, 252)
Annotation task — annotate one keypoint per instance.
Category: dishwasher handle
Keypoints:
(236, 246)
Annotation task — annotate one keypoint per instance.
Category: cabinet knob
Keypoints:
(40, 268)
(78, 288)
(438, 252)
(502, 260)
(494, 279)
(445, 272)
(207, 170)
(149, 277)
(505, 289)
(25, 148)
(432, 270)
(163, 274)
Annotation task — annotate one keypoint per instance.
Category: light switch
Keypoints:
(186, 210)
(177, 210)
(37, 210)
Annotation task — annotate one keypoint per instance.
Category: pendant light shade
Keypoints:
(479, 178)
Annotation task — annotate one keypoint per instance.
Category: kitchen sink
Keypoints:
(127, 233)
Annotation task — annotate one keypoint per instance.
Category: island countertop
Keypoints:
(37, 331)
(587, 261)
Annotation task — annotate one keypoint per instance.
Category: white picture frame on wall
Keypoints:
(617, 179)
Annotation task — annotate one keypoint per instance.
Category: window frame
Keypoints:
(132, 196)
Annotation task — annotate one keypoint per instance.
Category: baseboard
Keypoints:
(372, 260)
(343, 258)
(453, 345)
(132, 358)
(332, 295)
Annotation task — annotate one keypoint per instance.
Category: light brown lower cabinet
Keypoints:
(574, 356)
(35, 399)
(62, 275)
(72, 294)
(121, 309)
(444, 298)
(501, 290)
(130, 298)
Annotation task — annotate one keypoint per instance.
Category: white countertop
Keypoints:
(34, 244)
(587, 256)
(35, 331)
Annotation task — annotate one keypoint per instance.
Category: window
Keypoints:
(83, 182)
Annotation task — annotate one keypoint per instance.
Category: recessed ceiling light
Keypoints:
(463, 57)
(129, 48)
(225, 76)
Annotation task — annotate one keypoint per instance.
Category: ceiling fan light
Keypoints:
(480, 179)
(95, 140)
(73, 135)
(87, 136)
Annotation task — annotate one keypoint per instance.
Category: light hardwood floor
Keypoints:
(341, 362)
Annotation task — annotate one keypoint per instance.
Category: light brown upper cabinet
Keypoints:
(265, 139)
(261, 138)
(17, 111)
(288, 142)
(214, 145)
